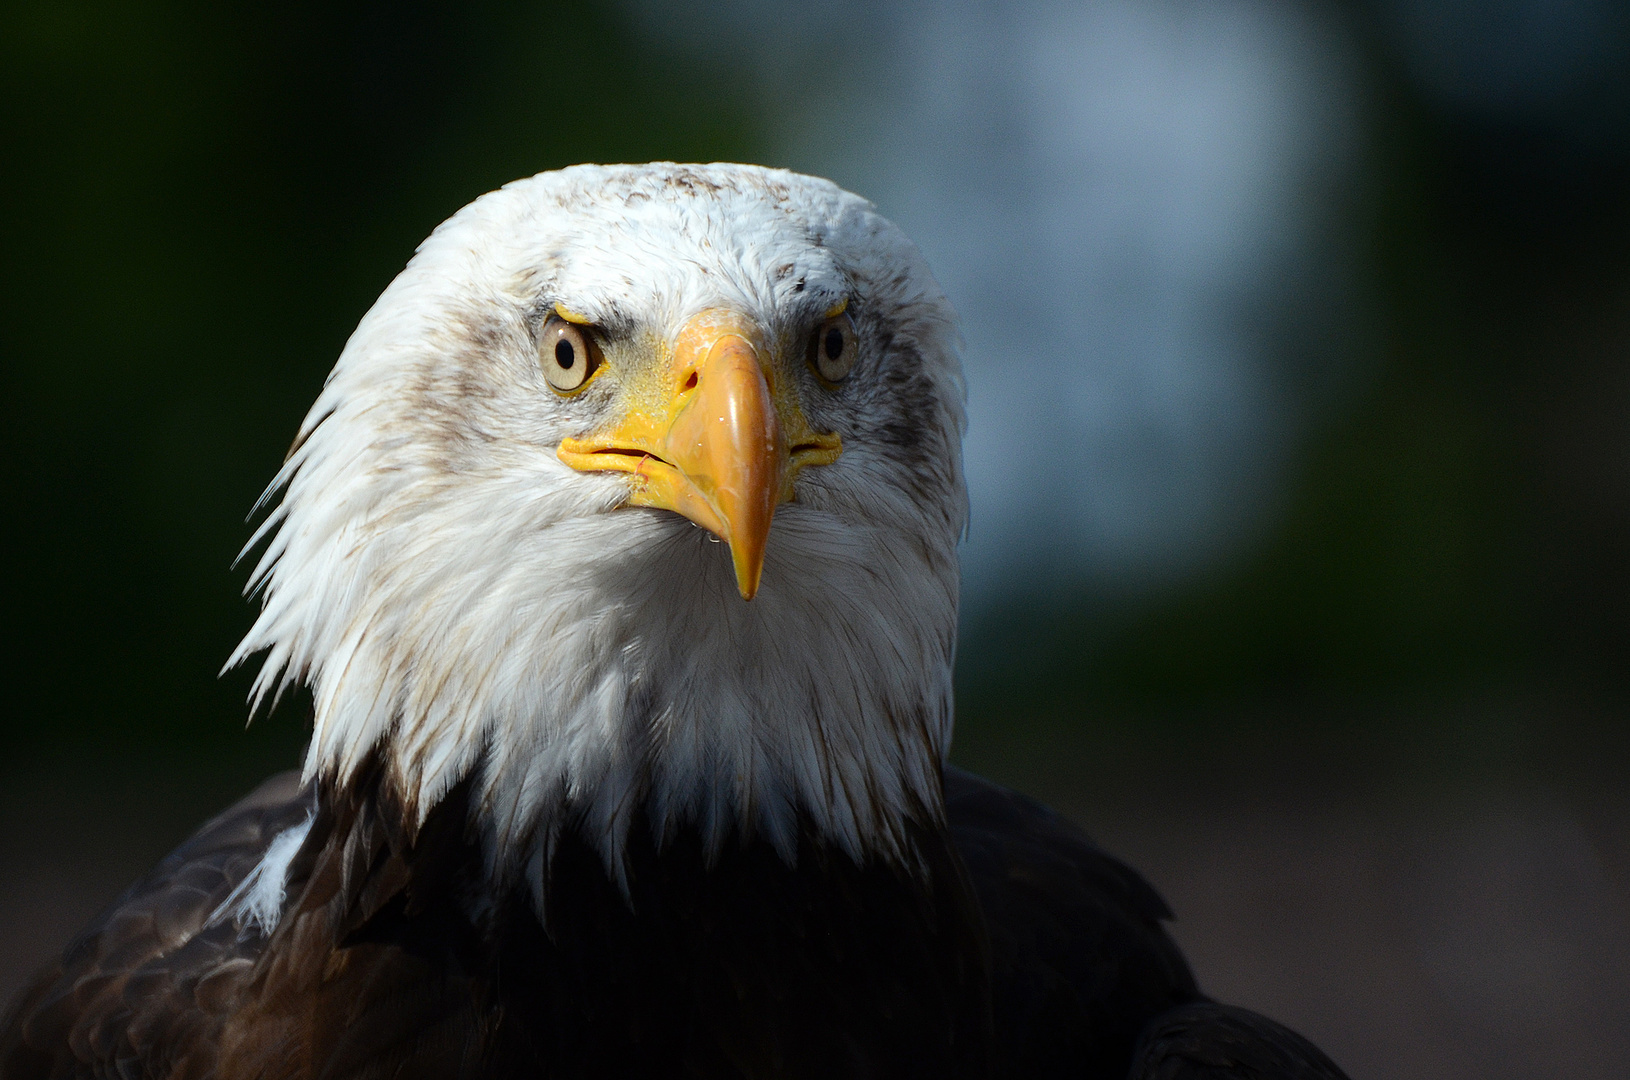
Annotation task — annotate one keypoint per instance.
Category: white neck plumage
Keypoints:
(638, 686)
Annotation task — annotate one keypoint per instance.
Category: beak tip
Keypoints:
(749, 568)
(747, 581)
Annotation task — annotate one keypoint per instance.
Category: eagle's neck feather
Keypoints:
(642, 692)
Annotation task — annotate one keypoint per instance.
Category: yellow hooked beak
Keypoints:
(716, 436)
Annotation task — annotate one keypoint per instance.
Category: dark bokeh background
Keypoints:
(1375, 756)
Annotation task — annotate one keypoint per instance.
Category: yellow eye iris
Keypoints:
(834, 348)
(567, 354)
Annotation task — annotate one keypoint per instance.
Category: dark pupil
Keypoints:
(834, 344)
(564, 355)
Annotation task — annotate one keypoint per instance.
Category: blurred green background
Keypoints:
(201, 202)
(202, 199)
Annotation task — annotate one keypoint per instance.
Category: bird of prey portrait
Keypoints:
(619, 556)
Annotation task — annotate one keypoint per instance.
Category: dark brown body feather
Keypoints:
(1018, 949)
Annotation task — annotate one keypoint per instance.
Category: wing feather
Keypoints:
(1080, 960)
(142, 990)
(1086, 981)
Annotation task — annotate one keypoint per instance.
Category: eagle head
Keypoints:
(634, 500)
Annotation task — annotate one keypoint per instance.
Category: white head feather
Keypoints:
(458, 598)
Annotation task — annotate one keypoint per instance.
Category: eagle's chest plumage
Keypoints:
(1014, 948)
(392, 960)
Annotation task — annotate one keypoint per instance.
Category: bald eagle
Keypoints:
(619, 554)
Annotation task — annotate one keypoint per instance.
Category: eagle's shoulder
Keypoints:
(157, 973)
(358, 963)
(1080, 959)
(1205, 1040)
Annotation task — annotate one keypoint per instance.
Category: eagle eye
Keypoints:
(833, 349)
(567, 354)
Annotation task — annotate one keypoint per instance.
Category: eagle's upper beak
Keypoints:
(718, 436)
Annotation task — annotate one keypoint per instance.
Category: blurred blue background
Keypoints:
(1298, 348)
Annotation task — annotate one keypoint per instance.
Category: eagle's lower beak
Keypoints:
(713, 439)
